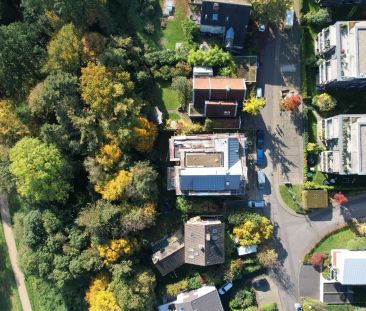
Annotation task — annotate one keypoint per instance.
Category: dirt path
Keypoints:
(10, 242)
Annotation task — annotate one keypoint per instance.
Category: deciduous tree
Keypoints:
(254, 105)
(42, 174)
(317, 260)
(184, 88)
(251, 233)
(115, 189)
(267, 257)
(324, 102)
(270, 11)
(291, 103)
(144, 135)
(112, 251)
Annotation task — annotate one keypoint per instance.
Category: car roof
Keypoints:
(260, 152)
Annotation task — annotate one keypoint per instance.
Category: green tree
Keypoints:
(254, 105)
(33, 229)
(270, 11)
(184, 88)
(190, 31)
(183, 205)
(41, 172)
(242, 299)
(21, 56)
(64, 50)
(324, 102)
(144, 182)
(317, 19)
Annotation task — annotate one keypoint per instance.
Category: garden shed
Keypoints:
(315, 198)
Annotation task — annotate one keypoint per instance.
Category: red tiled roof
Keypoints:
(219, 84)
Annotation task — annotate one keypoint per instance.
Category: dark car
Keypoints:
(260, 157)
(260, 139)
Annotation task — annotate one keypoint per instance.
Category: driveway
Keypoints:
(309, 282)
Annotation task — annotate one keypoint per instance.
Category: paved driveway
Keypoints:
(309, 280)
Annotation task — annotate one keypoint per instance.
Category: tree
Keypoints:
(137, 218)
(11, 127)
(184, 89)
(317, 260)
(324, 102)
(291, 103)
(34, 233)
(357, 244)
(111, 252)
(64, 50)
(93, 44)
(360, 227)
(144, 135)
(270, 11)
(99, 297)
(317, 19)
(251, 233)
(108, 155)
(314, 148)
(115, 189)
(242, 299)
(7, 179)
(184, 205)
(21, 56)
(254, 105)
(42, 174)
(235, 270)
(340, 198)
(144, 182)
(190, 31)
(267, 257)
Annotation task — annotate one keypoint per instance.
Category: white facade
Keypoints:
(349, 267)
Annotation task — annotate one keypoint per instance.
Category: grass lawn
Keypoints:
(312, 127)
(337, 239)
(174, 116)
(169, 97)
(9, 298)
(173, 32)
(319, 177)
(287, 198)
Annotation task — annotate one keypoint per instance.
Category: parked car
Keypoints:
(261, 180)
(257, 204)
(298, 307)
(289, 20)
(260, 157)
(260, 139)
(225, 288)
(259, 92)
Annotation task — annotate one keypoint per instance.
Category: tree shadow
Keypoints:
(297, 120)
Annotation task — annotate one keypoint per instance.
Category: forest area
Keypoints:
(77, 149)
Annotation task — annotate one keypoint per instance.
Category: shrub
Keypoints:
(340, 198)
(317, 260)
(194, 282)
(361, 229)
(291, 103)
(324, 102)
(183, 205)
(316, 19)
(269, 307)
(175, 288)
(314, 148)
(238, 218)
(242, 299)
(190, 31)
(267, 257)
(235, 270)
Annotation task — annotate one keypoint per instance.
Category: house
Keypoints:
(205, 298)
(169, 253)
(202, 244)
(348, 267)
(315, 198)
(219, 99)
(341, 48)
(207, 165)
(204, 241)
(345, 139)
(335, 3)
(227, 18)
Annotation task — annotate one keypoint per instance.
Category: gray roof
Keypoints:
(193, 302)
(354, 271)
(233, 151)
(209, 183)
(204, 242)
(169, 253)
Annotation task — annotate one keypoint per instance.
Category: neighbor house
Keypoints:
(335, 3)
(226, 18)
(207, 165)
(348, 267)
(341, 48)
(345, 139)
(219, 99)
(203, 244)
(205, 298)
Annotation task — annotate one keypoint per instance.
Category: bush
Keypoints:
(314, 148)
(269, 307)
(238, 218)
(317, 260)
(267, 257)
(190, 31)
(340, 198)
(242, 299)
(235, 270)
(320, 18)
(324, 102)
(291, 103)
(175, 288)
(184, 205)
(361, 229)
(194, 282)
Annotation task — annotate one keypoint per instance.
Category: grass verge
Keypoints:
(291, 195)
(9, 298)
(170, 97)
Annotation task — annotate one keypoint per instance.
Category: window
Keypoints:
(227, 113)
(205, 16)
(215, 17)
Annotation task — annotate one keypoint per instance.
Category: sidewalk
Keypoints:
(10, 242)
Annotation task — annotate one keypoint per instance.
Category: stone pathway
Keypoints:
(10, 242)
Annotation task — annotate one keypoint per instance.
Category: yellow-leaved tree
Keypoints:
(99, 297)
(104, 91)
(254, 104)
(252, 233)
(115, 188)
(144, 135)
(115, 249)
(108, 155)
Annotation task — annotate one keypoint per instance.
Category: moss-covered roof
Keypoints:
(315, 198)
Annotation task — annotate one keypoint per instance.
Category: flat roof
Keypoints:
(218, 83)
(239, 2)
(211, 159)
(361, 35)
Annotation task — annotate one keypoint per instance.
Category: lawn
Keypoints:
(174, 116)
(312, 127)
(337, 239)
(173, 32)
(169, 97)
(9, 298)
(295, 205)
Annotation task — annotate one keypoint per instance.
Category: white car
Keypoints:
(298, 307)
(225, 288)
(257, 204)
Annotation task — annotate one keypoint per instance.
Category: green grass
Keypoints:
(170, 98)
(173, 32)
(337, 239)
(319, 177)
(344, 308)
(9, 298)
(174, 116)
(287, 198)
(312, 127)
